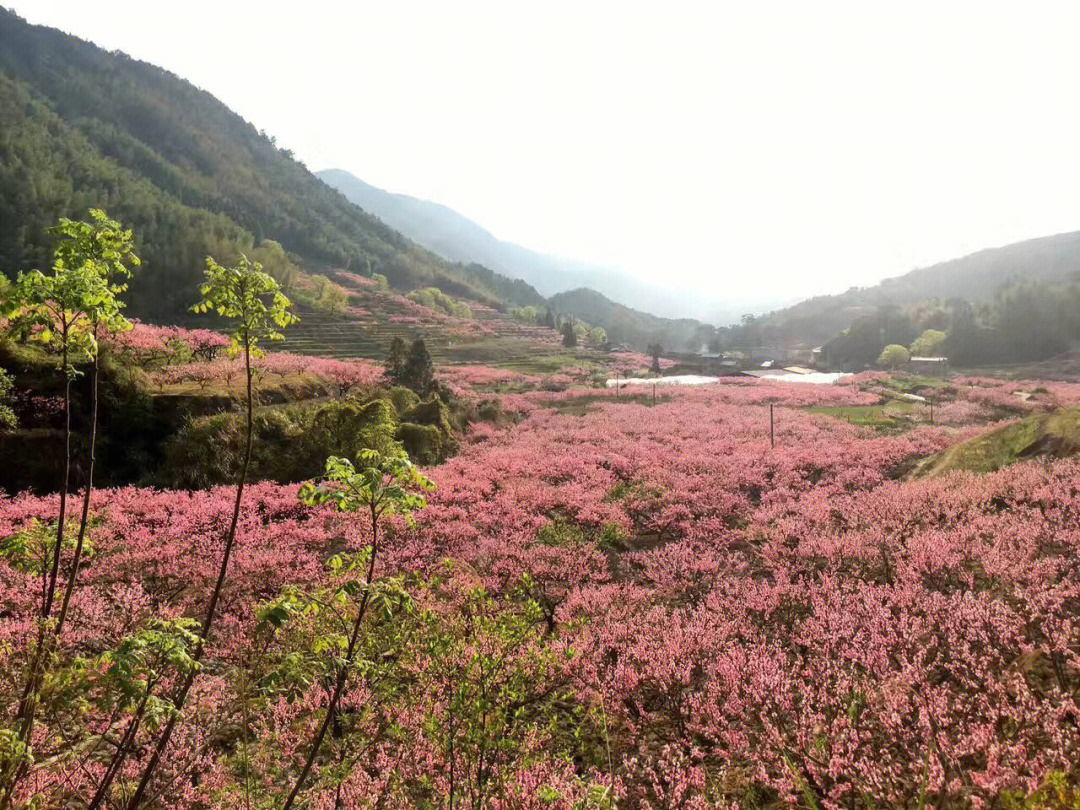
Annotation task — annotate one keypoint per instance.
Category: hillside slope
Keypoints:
(1048, 435)
(460, 239)
(975, 278)
(626, 325)
(84, 127)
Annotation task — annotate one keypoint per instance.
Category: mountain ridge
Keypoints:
(85, 127)
(458, 238)
(974, 277)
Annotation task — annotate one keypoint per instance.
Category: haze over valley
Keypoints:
(563, 406)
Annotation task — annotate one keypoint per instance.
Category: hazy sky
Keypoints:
(752, 150)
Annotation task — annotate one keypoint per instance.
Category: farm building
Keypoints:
(929, 366)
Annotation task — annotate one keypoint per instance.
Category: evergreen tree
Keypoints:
(395, 362)
(655, 349)
(569, 336)
(419, 372)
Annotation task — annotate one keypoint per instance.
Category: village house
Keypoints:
(929, 366)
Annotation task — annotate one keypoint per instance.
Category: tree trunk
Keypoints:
(54, 573)
(208, 620)
(343, 676)
(28, 701)
(89, 488)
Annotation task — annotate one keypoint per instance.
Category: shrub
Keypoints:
(426, 443)
(292, 442)
(403, 399)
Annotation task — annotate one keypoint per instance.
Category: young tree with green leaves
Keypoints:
(494, 672)
(334, 298)
(105, 248)
(252, 300)
(381, 486)
(131, 673)
(893, 356)
(929, 343)
(74, 307)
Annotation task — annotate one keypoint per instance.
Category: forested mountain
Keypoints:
(84, 127)
(458, 238)
(976, 278)
(1010, 305)
(626, 325)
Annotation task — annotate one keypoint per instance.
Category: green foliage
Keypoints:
(384, 484)
(249, 297)
(419, 371)
(490, 410)
(1053, 435)
(622, 324)
(893, 356)
(426, 432)
(303, 636)
(7, 390)
(495, 672)
(436, 299)
(597, 336)
(79, 296)
(403, 399)
(291, 442)
(162, 649)
(569, 335)
(655, 350)
(413, 370)
(396, 361)
(928, 343)
(1058, 792)
(84, 127)
(426, 443)
(30, 549)
(891, 417)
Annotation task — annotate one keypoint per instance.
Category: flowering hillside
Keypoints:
(623, 605)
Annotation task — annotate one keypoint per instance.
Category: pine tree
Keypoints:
(569, 336)
(419, 372)
(395, 362)
(655, 349)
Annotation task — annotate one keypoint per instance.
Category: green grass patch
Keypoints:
(578, 406)
(1055, 435)
(888, 417)
(908, 383)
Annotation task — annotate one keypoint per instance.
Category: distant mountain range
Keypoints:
(976, 278)
(83, 127)
(459, 239)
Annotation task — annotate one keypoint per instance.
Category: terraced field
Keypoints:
(375, 317)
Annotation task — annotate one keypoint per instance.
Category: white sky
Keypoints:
(750, 150)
